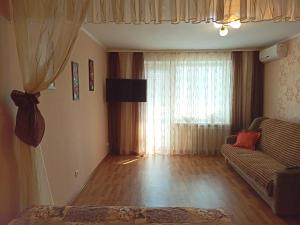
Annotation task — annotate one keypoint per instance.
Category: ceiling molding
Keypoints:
(93, 37)
(290, 38)
(184, 50)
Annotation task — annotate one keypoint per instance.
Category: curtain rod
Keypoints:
(185, 50)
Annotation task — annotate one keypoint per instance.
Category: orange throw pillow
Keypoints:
(247, 139)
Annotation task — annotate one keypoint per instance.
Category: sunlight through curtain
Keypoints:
(188, 108)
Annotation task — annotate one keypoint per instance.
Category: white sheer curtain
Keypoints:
(188, 108)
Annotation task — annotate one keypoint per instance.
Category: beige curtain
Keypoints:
(124, 117)
(45, 32)
(126, 108)
(247, 103)
(194, 11)
(261, 10)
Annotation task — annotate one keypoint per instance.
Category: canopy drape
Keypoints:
(194, 11)
(45, 32)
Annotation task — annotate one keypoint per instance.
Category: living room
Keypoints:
(150, 112)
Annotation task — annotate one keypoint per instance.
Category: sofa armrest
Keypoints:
(287, 192)
(231, 139)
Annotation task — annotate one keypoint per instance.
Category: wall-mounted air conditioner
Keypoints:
(274, 52)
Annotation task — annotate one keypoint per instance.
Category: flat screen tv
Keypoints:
(126, 90)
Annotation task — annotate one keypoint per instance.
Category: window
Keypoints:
(201, 90)
(193, 89)
(188, 107)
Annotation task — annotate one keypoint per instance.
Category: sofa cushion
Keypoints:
(256, 164)
(281, 140)
(247, 139)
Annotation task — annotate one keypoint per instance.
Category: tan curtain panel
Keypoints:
(137, 107)
(124, 117)
(114, 115)
(45, 32)
(194, 11)
(248, 82)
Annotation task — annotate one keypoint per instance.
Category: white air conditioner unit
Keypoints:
(272, 53)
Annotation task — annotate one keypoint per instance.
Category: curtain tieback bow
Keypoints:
(30, 124)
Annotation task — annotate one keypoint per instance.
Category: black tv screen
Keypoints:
(126, 90)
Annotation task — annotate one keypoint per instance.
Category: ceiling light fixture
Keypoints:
(232, 22)
(223, 31)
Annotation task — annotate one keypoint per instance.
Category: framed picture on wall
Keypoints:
(75, 80)
(91, 75)
(52, 86)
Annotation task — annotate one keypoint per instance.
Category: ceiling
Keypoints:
(190, 36)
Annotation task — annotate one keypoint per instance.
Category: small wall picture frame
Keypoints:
(52, 86)
(75, 80)
(91, 75)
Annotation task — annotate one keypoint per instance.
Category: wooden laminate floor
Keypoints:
(161, 181)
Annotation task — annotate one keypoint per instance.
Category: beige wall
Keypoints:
(76, 131)
(282, 85)
(9, 72)
(76, 134)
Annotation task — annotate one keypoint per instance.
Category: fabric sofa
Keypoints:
(273, 170)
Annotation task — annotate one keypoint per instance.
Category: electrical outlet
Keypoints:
(76, 173)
